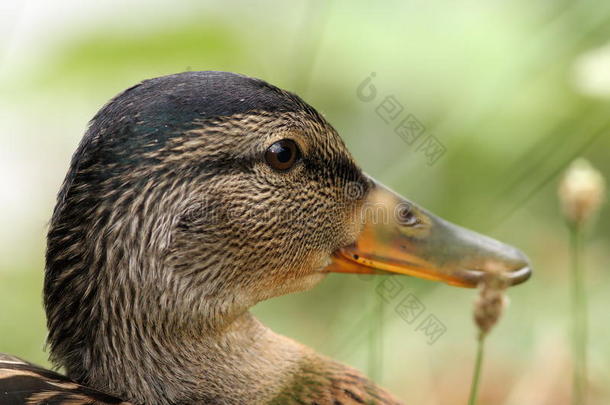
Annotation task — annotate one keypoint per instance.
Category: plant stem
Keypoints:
(474, 387)
(579, 318)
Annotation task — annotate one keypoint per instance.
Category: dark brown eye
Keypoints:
(283, 154)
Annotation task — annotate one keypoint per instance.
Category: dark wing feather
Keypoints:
(22, 383)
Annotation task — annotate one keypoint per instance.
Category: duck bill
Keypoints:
(400, 237)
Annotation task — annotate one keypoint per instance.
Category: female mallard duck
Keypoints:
(191, 198)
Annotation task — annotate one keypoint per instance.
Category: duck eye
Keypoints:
(283, 154)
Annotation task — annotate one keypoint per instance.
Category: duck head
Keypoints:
(194, 196)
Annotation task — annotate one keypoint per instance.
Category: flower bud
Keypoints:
(581, 191)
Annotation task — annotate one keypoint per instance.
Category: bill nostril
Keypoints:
(405, 215)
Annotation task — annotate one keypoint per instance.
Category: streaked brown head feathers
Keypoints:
(170, 222)
(191, 198)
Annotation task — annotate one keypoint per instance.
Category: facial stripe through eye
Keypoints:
(337, 171)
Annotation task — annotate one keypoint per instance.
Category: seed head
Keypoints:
(581, 191)
(490, 303)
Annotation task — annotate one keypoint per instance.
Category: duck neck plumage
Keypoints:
(244, 362)
(171, 224)
(154, 351)
(130, 324)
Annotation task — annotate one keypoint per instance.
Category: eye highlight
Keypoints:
(283, 154)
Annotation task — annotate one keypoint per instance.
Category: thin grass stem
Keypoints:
(476, 377)
(579, 318)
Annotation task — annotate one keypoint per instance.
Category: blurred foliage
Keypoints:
(495, 82)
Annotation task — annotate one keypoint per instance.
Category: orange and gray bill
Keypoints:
(402, 238)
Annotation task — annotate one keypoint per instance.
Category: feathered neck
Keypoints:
(243, 363)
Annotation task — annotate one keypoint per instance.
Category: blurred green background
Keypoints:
(513, 91)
